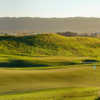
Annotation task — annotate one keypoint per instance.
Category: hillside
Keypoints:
(29, 24)
(50, 44)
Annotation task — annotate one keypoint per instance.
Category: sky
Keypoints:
(49, 8)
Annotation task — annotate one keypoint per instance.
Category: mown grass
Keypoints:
(45, 62)
(56, 94)
(60, 74)
(30, 68)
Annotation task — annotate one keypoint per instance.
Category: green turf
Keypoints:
(46, 62)
(60, 73)
(31, 68)
(50, 45)
(56, 94)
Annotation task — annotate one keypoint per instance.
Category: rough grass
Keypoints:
(38, 76)
(50, 44)
(42, 74)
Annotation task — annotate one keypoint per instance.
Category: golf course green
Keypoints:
(49, 67)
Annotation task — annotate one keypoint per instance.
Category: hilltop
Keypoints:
(50, 44)
(29, 24)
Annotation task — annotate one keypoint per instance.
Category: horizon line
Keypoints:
(48, 17)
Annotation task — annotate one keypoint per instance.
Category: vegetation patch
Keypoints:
(50, 45)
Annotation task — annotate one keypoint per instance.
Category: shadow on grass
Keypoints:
(89, 61)
(98, 98)
(24, 63)
(68, 63)
(21, 63)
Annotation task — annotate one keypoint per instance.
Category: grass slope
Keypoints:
(57, 94)
(52, 84)
(50, 44)
(19, 81)
(48, 78)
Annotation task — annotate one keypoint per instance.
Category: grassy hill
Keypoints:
(50, 44)
(49, 67)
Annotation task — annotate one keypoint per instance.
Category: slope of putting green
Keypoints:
(56, 94)
(50, 44)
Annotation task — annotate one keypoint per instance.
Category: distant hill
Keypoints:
(29, 24)
(50, 44)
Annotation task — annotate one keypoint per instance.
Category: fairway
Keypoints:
(56, 94)
(64, 74)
